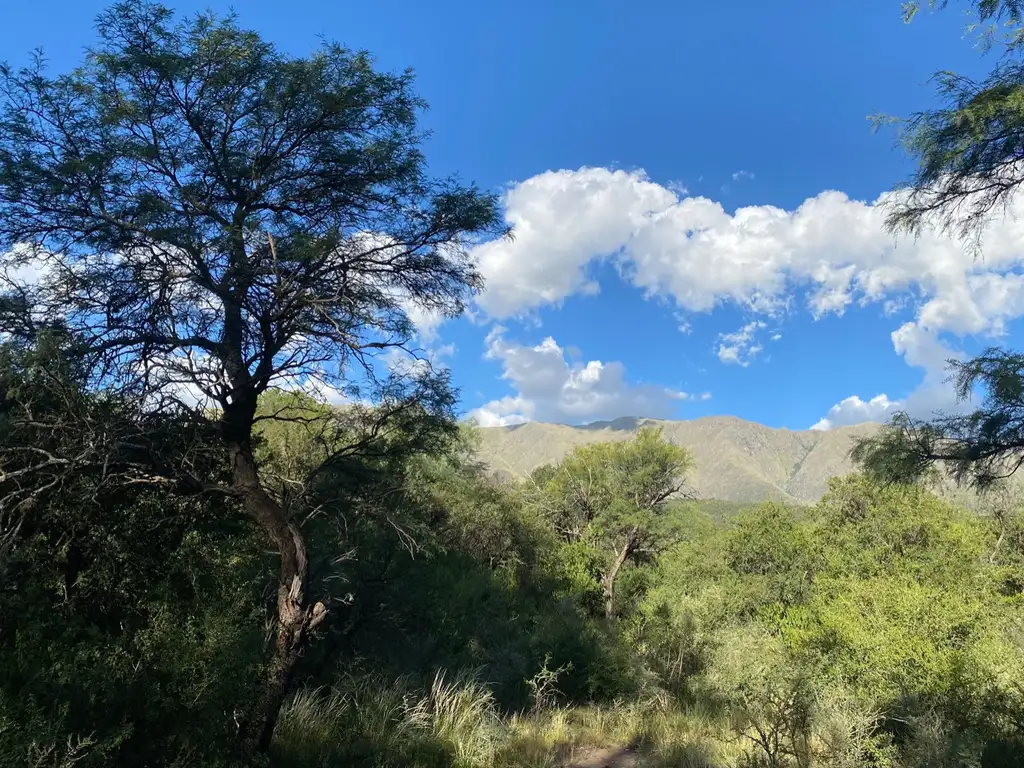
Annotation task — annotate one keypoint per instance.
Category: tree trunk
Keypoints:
(613, 573)
(295, 618)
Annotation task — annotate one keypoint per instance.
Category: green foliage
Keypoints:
(979, 448)
(881, 606)
(543, 686)
(715, 510)
(617, 497)
(879, 627)
(871, 530)
(125, 612)
(122, 607)
(770, 698)
(772, 553)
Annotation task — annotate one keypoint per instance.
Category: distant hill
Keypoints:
(737, 460)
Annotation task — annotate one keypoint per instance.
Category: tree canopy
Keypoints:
(615, 494)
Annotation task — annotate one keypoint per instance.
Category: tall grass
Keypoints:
(364, 721)
(460, 715)
(374, 722)
(454, 723)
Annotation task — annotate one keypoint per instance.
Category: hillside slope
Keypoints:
(736, 460)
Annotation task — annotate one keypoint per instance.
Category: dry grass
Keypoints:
(369, 722)
(663, 737)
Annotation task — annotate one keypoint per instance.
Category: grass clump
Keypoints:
(375, 722)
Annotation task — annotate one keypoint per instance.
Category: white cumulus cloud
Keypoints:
(826, 255)
(829, 252)
(742, 346)
(562, 221)
(853, 410)
(548, 387)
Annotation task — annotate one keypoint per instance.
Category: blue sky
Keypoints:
(692, 187)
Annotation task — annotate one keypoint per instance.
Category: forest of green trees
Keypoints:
(204, 563)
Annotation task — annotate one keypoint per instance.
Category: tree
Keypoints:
(208, 218)
(969, 152)
(615, 493)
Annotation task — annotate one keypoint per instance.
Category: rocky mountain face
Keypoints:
(736, 460)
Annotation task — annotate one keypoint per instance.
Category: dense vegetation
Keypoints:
(469, 624)
(205, 562)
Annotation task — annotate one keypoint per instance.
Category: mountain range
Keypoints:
(736, 460)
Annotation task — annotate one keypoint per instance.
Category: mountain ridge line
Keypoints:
(736, 460)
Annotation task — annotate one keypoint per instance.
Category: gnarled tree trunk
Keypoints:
(295, 617)
(608, 582)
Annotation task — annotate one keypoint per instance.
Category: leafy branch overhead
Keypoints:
(969, 154)
(968, 150)
(970, 167)
(978, 448)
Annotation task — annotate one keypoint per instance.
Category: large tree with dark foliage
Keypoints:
(970, 154)
(207, 218)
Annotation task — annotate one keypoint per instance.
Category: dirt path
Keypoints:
(607, 757)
